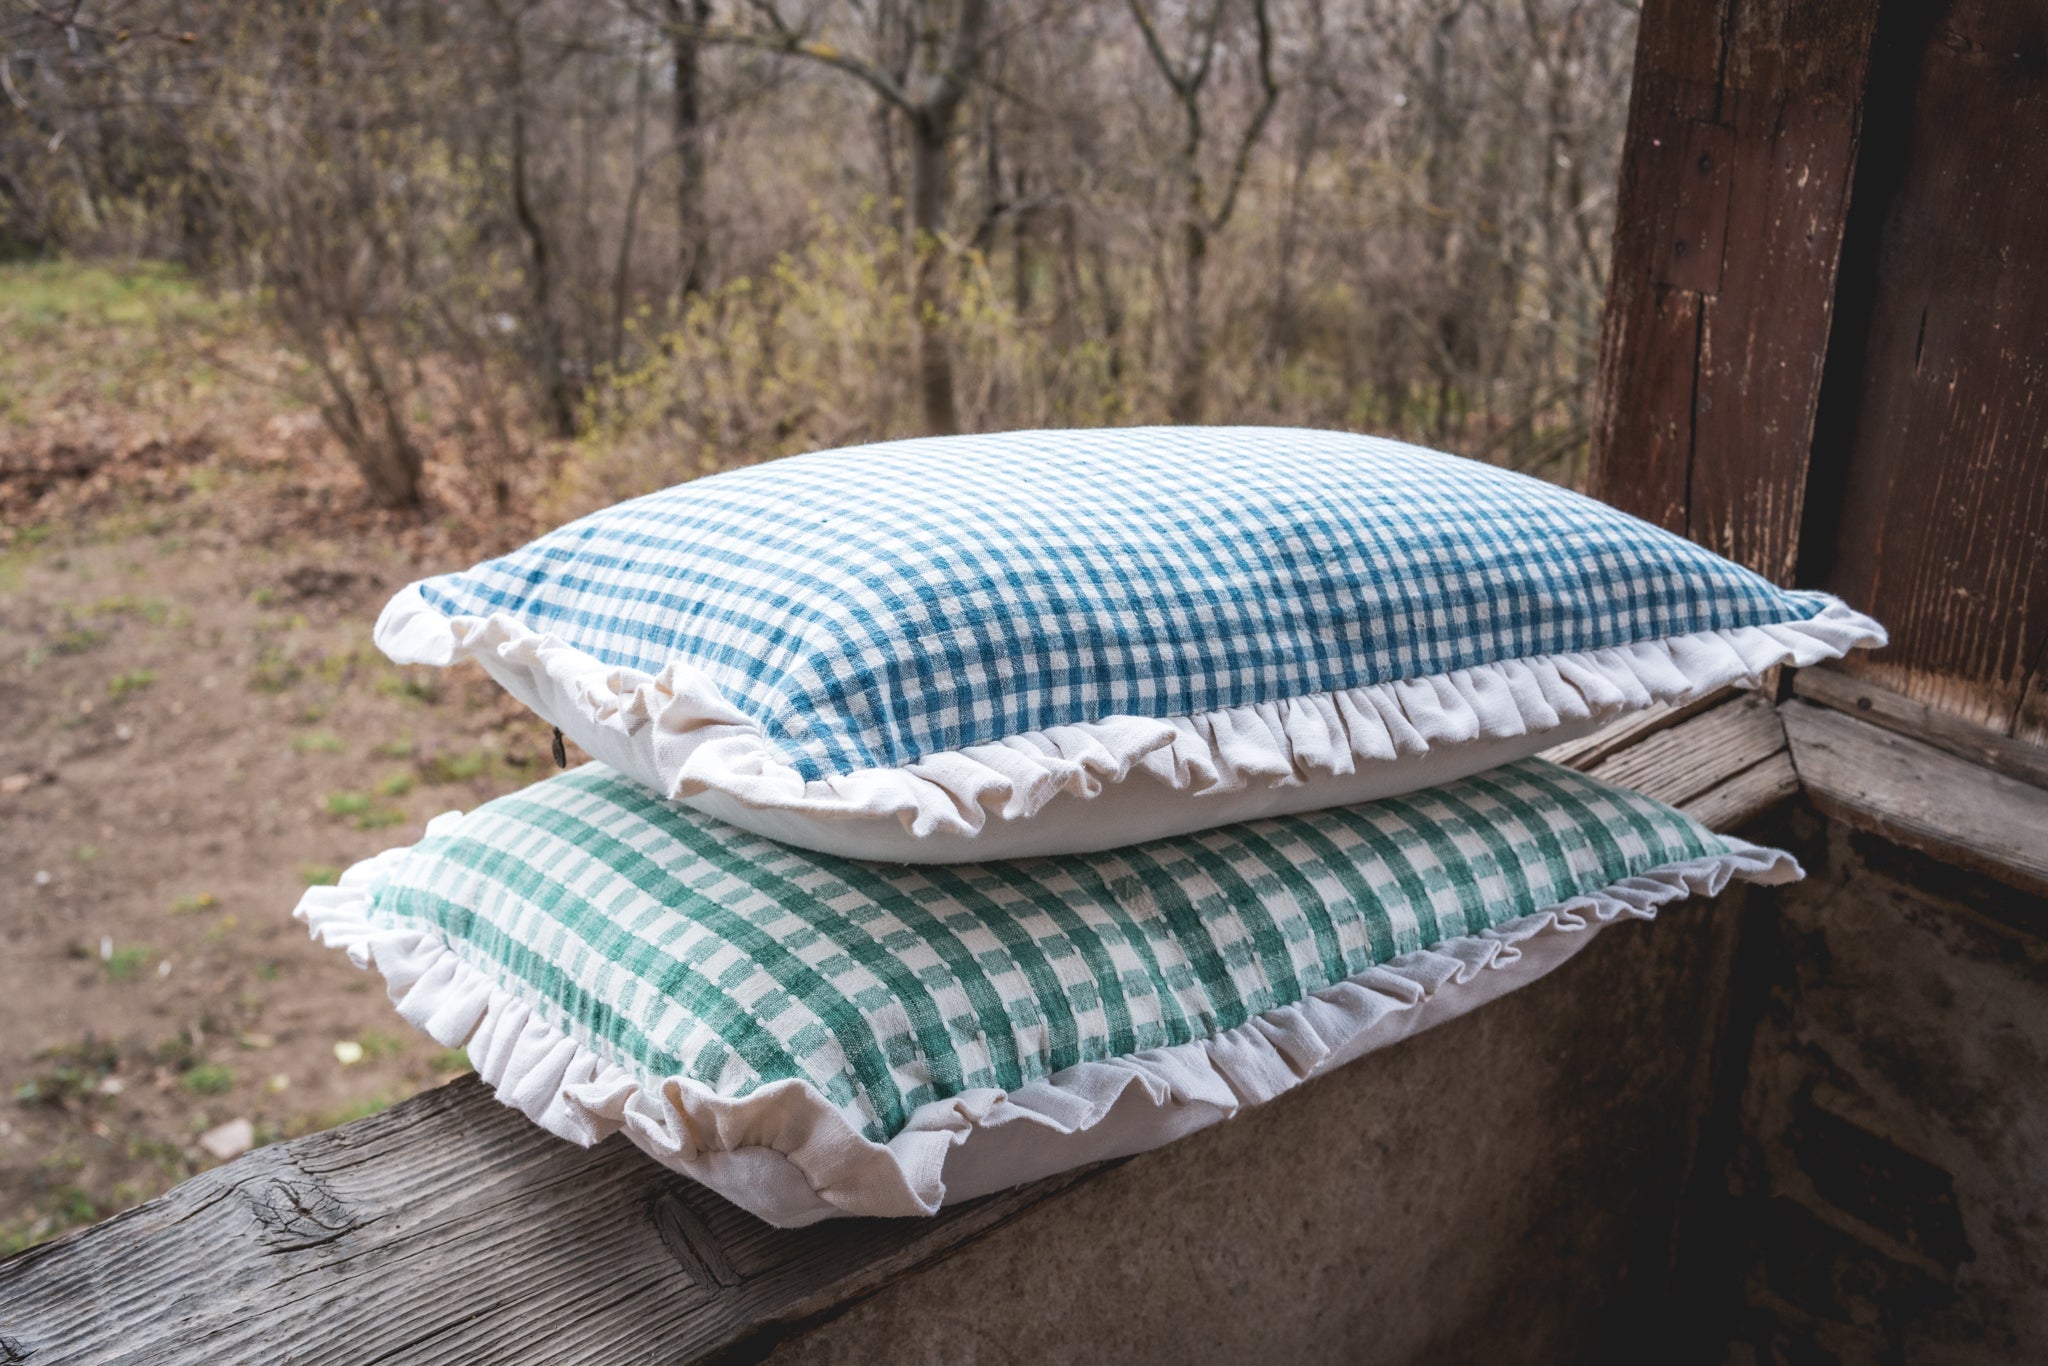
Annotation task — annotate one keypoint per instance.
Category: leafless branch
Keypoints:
(1269, 96)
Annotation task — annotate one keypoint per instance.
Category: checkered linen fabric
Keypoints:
(872, 606)
(677, 946)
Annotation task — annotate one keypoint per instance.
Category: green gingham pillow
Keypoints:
(982, 647)
(812, 1035)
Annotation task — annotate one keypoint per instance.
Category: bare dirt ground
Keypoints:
(194, 727)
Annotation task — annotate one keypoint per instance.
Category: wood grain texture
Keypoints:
(1721, 759)
(1865, 700)
(449, 1227)
(449, 1220)
(1742, 140)
(1632, 729)
(1916, 795)
(1740, 800)
(1934, 435)
(1679, 764)
(1642, 422)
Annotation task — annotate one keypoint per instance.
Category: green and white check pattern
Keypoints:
(679, 946)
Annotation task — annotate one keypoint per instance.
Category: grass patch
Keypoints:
(77, 640)
(65, 1208)
(194, 904)
(74, 1074)
(155, 611)
(410, 685)
(125, 965)
(442, 769)
(209, 1079)
(274, 672)
(339, 666)
(377, 1044)
(21, 551)
(395, 785)
(73, 1205)
(178, 1053)
(319, 874)
(451, 1062)
(347, 803)
(52, 300)
(354, 1110)
(362, 811)
(166, 1156)
(318, 742)
(130, 682)
(19, 1235)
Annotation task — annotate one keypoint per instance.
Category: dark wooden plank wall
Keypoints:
(1826, 355)
(1743, 130)
(1826, 352)
(1933, 443)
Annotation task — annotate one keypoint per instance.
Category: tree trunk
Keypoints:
(540, 266)
(686, 19)
(1066, 314)
(929, 134)
(1109, 303)
(622, 265)
(1023, 250)
(1192, 364)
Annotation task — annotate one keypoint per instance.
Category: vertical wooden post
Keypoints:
(1742, 139)
(1931, 458)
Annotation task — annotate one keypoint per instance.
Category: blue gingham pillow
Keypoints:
(1044, 641)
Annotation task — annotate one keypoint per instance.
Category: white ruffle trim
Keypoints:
(788, 1155)
(677, 733)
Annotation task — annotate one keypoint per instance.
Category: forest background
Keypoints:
(301, 300)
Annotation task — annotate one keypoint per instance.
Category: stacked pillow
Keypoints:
(971, 808)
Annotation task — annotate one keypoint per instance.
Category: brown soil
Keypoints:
(196, 727)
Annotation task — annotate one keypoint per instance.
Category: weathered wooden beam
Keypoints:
(1880, 706)
(1723, 761)
(1918, 796)
(446, 1228)
(1686, 761)
(1589, 750)
(1742, 139)
(449, 1226)
(1732, 804)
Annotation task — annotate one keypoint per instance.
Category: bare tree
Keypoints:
(686, 20)
(1187, 76)
(480, 225)
(622, 268)
(558, 398)
(925, 90)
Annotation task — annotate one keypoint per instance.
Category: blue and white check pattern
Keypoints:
(874, 605)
